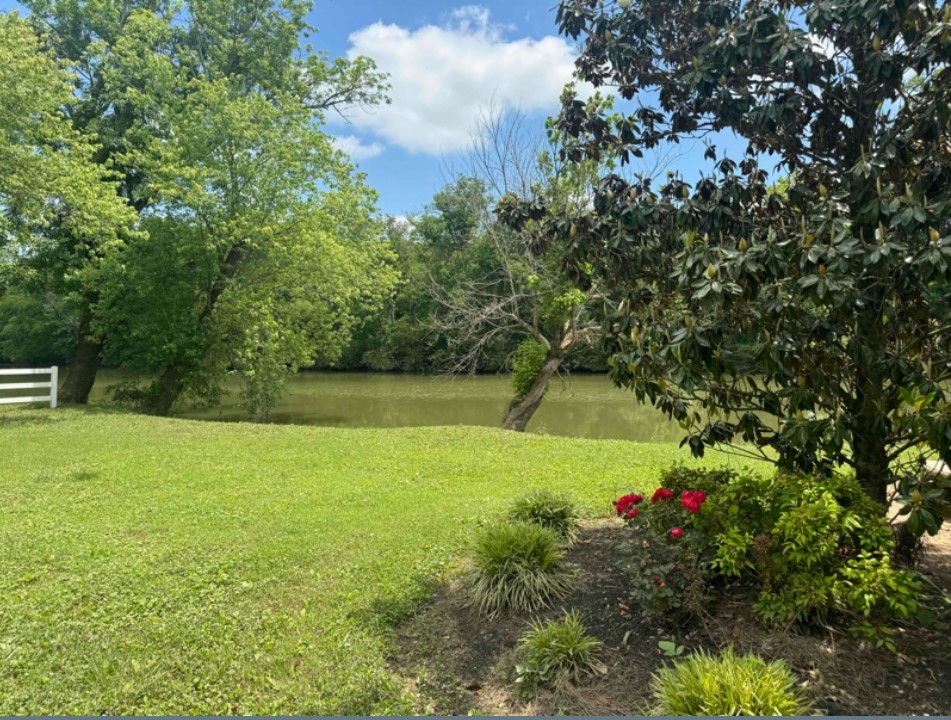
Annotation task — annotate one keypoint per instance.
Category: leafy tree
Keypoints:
(812, 324)
(261, 244)
(51, 186)
(135, 57)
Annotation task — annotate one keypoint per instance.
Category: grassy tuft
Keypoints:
(725, 684)
(518, 566)
(557, 652)
(551, 510)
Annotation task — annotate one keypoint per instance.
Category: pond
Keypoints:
(586, 406)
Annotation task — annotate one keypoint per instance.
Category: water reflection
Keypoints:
(590, 406)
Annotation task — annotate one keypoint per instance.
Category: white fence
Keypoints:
(52, 372)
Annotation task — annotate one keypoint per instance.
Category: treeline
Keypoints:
(181, 213)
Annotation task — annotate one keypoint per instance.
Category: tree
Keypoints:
(526, 295)
(118, 46)
(811, 324)
(262, 241)
(51, 186)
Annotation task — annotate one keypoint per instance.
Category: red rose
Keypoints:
(677, 532)
(625, 503)
(632, 514)
(661, 494)
(693, 499)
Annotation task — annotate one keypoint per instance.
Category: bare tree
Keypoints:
(527, 296)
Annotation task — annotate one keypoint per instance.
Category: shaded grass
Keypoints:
(157, 566)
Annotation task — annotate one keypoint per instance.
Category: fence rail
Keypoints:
(51, 385)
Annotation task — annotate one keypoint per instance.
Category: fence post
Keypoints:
(54, 385)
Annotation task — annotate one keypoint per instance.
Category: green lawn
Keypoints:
(170, 566)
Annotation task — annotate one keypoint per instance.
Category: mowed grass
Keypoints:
(154, 566)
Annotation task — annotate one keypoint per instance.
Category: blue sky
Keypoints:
(448, 63)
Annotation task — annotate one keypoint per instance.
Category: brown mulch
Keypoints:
(457, 662)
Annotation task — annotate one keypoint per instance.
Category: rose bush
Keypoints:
(665, 554)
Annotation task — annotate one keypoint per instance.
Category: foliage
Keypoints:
(518, 566)
(709, 685)
(925, 499)
(210, 114)
(204, 559)
(557, 652)
(792, 321)
(528, 361)
(269, 246)
(818, 547)
(550, 510)
(665, 552)
(36, 330)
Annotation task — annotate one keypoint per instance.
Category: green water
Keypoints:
(588, 406)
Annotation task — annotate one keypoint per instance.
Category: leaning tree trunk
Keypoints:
(522, 409)
(81, 375)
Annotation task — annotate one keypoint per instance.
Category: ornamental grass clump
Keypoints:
(557, 652)
(550, 510)
(708, 685)
(518, 566)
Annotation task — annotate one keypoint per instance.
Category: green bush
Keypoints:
(704, 684)
(679, 478)
(528, 361)
(556, 653)
(816, 546)
(519, 566)
(550, 510)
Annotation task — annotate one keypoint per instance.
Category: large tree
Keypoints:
(123, 50)
(261, 235)
(51, 185)
(811, 323)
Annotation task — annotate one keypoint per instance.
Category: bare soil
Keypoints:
(458, 662)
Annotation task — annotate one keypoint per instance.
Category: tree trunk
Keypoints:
(869, 431)
(164, 392)
(872, 468)
(81, 375)
(522, 409)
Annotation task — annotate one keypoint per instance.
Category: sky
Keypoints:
(448, 64)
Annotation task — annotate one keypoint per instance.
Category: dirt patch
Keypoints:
(459, 663)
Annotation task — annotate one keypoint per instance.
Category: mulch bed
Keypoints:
(457, 662)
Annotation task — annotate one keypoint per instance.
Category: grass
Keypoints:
(155, 566)
(518, 566)
(727, 684)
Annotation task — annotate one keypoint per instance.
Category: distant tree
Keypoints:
(526, 296)
(813, 323)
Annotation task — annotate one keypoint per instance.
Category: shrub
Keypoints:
(519, 566)
(816, 547)
(556, 653)
(545, 508)
(529, 359)
(705, 684)
(664, 553)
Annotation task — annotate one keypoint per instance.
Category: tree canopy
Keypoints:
(811, 323)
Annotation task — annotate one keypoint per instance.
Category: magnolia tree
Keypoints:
(808, 322)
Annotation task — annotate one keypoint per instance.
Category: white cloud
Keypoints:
(444, 78)
(356, 148)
